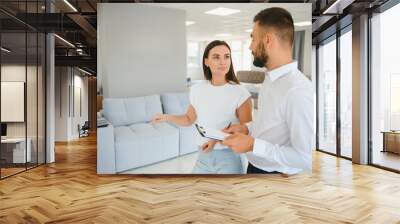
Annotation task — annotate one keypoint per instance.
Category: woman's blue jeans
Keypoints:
(218, 161)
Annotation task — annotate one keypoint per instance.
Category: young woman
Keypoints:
(215, 104)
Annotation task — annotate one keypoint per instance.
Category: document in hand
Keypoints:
(211, 133)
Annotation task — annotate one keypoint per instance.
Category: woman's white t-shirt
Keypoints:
(216, 106)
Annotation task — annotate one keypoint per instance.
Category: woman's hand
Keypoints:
(208, 146)
(158, 118)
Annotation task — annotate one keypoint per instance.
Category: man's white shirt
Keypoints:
(283, 127)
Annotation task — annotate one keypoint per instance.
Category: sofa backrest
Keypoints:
(175, 103)
(130, 110)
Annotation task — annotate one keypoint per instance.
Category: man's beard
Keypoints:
(260, 60)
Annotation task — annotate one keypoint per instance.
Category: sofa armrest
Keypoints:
(106, 150)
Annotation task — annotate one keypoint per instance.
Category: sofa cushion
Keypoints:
(144, 130)
(142, 109)
(175, 103)
(187, 140)
(126, 111)
(114, 111)
(144, 144)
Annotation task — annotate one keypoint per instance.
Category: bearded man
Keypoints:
(280, 138)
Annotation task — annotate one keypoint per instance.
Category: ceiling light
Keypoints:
(223, 35)
(188, 23)
(304, 23)
(5, 49)
(220, 11)
(64, 40)
(70, 5)
(86, 72)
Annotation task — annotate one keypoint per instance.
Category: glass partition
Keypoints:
(14, 153)
(22, 63)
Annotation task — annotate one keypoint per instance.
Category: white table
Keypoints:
(18, 149)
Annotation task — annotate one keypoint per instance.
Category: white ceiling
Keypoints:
(207, 26)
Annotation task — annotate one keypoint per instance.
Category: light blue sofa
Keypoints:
(177, 104)
(130, 141)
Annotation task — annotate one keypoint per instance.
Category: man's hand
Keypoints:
(240, 143)
(208, 146)
(237, 128)
(158, 118)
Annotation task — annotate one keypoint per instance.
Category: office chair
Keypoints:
(84, 130)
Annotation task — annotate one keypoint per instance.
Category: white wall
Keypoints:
(67, 116)
(80, 83)
(144, 54)
(15, 72)
(13, 100)
(62, 81)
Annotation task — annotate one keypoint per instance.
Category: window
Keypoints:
(241, 55)
(394, 101)
(247, 56)
(385, 89)
(346, 94)
(193, 55)
(327, 97)
(194, 63)
(236, 50)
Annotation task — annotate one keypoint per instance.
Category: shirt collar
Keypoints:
(282, 70)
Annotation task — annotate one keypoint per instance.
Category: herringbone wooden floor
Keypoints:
(70, 191)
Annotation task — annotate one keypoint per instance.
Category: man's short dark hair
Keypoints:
(279, 19)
